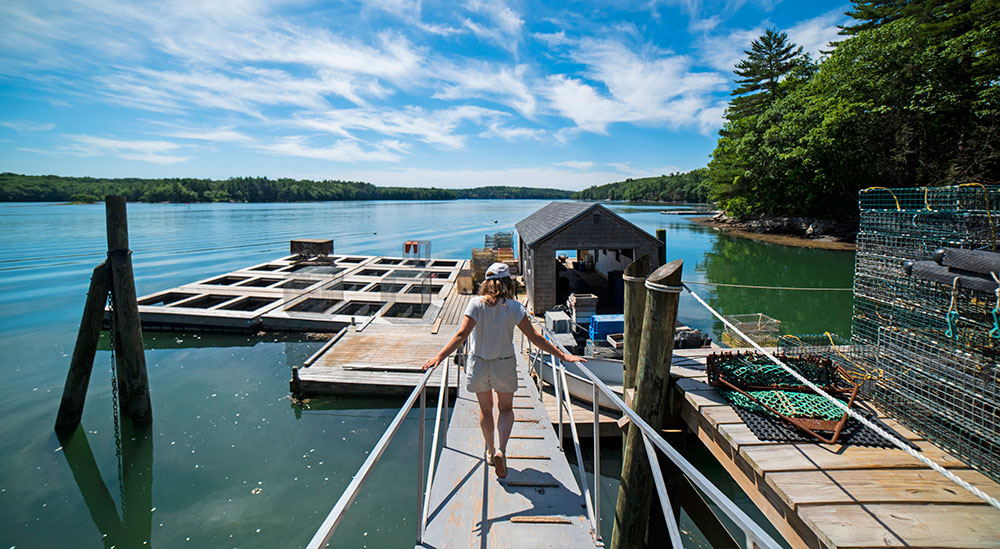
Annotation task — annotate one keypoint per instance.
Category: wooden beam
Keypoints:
(80, 366)
(651, 394)
(635, 305)
(127, 325)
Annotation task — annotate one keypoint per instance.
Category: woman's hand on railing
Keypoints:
(431, 363)
(566, 357)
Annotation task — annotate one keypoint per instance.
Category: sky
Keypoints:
(393, 92)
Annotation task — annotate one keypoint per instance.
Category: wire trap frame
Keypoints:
(751, 381)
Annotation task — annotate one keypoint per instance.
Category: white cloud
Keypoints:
(576, 164)
(504, 84)
(723, 51)
(217, 135)
(28, 126)
(816, 34)
(503, 25)
(434, 127)
(157, 152)
(647, 87)
(340, 151)
(512, 133)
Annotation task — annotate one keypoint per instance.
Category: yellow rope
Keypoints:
(927, 202)
(887, 190)
(868, 374)
(989, 216)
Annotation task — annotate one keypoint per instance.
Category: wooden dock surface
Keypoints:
(537, 505)
(383, 359)
(823, 495)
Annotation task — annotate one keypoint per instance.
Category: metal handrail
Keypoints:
(336, 514)
(755, 535)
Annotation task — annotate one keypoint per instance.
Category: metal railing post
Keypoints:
(420, 467)
(661, 490)
(444, 411)
(597, 467)
(559, 389)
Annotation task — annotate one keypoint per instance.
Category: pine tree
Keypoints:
(872, 13)
(769, 59)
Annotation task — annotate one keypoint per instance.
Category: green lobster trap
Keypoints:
(752, 382)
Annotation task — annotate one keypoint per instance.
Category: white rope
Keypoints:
(798, 289)
(663, 288)
(861, 419)
(628, 278)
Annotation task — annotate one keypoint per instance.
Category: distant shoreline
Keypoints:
(820, 243)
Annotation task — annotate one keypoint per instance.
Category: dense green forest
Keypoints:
(676, 187)
(909, 97)
(50, 188)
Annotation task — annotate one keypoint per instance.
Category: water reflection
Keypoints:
(131, 524)
(743, 261)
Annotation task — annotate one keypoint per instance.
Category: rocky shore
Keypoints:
(791, 231)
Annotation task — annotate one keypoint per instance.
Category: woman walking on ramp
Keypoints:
(491, 318)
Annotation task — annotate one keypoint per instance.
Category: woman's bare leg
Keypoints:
(486, 419)
(505, 401)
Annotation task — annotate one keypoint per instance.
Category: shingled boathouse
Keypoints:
(594, 231)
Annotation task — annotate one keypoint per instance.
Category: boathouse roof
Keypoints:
(554, 216)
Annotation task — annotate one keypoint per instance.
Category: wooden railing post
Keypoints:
(635, 305)
(78, 378)
(129, 347)
(652, 387)
(661, 235)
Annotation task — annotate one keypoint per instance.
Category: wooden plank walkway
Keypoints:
(537, 505)
(822, 495)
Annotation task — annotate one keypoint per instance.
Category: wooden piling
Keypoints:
(126, 316)
(635, 304)
(80, 366)
(651, 393)
(661, 235)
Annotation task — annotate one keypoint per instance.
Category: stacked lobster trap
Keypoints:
(926, 324)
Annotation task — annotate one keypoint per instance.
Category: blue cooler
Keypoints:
(602, 325)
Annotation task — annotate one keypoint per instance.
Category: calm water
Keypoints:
(230, 461)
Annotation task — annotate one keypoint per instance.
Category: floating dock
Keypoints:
(307, 294)
(837, 496)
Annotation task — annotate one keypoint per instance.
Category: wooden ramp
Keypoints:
(829, 495)
(537, 505)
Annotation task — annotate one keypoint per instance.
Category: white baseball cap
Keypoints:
(498, 270)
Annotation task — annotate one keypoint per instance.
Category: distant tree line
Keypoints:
(677, 187)
(909, 98)
(51, 188)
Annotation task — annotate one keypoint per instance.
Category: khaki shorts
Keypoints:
(499, 374)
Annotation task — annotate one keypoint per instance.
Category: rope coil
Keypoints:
(628, 278)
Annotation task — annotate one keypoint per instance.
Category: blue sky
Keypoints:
(394, 92)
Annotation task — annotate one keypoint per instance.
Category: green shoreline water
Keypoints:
(232, 462)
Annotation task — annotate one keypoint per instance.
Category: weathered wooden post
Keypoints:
(661, 235)
(126, 316)
(635, 304)
(650, 402)
(78, 378)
